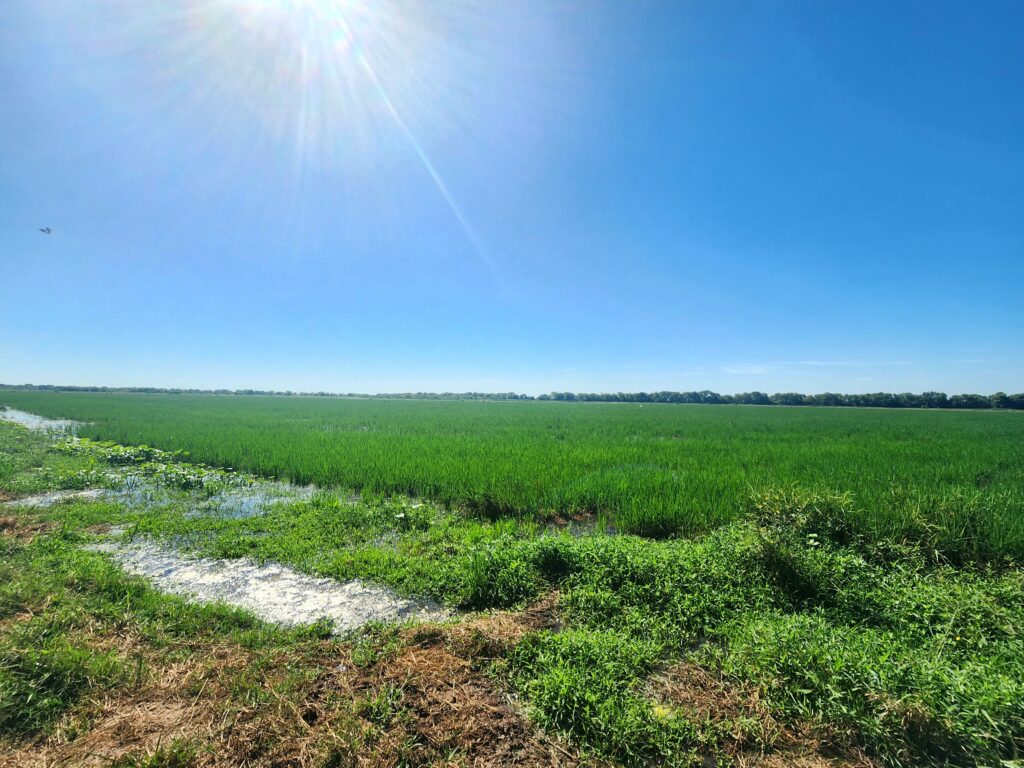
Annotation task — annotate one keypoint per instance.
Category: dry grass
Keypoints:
(492, 635)
(22, 529)
(452, 713)
(749, 735)
(195, 700)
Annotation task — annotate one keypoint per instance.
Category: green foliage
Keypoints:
(951, 480)
(20, 450)
(178, 754)
(382, 707)
(43, 673)
(915, 662)
(499, 576)
(909, 702)
(585, 684)
(374, 644)
(890, 616)
(47, 670)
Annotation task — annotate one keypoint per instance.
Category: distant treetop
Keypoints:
(999, 400)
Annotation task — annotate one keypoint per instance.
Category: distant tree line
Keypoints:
(1000, 400)
(272, 392)
(870, 400)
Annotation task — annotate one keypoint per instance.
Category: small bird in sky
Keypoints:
(46, 230)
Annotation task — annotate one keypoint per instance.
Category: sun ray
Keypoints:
(325, 20)
(456, 210)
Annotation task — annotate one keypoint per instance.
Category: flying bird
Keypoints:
(46, 230)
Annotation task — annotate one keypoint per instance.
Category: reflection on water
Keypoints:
(39, 423)
(140, 493)
(43, 500)
(229, 501)
(251, 501)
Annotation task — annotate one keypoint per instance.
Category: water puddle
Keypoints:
(252, 501)
(39, 423)
(141, 493)
(232, 501)
(584, 525)
(44, 500)
(274, 593)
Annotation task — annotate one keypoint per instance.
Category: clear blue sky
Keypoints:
(381, 196)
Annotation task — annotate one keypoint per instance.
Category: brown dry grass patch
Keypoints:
(21, 529)
(450, 711)
(494, 634)
(243, 708)
(748, 734)
(451, 714)
(225, 699)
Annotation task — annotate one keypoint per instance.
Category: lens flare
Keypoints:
(329, 19)
(339, 93)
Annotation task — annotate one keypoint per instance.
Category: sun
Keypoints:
(329, 76)
(339, 92)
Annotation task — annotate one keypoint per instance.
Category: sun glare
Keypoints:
(351, 92)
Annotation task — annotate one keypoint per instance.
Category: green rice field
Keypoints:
(955, 479)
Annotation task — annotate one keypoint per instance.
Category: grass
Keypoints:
(956, 479)
(797, 620)
(43, 672)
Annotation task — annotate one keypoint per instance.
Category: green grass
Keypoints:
(890, 622)
(956, 479)
(60, 604)
(43, 672)
(872, 640)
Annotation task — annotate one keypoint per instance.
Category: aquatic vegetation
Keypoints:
(167, 468)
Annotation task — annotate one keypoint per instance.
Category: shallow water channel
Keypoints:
(38, 423)
(273, 592)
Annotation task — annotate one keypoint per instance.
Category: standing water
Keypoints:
(39, 423)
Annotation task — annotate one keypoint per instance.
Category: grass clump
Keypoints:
(586, 684)
(43, 674)
(908, 702)
(180, 753)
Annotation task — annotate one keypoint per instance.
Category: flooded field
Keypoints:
(43, 500)
(271, 591)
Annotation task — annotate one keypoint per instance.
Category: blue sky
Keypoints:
(349, 195)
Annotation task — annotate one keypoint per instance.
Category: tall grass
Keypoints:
(955, 478)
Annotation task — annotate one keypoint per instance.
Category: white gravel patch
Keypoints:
(275, 593)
